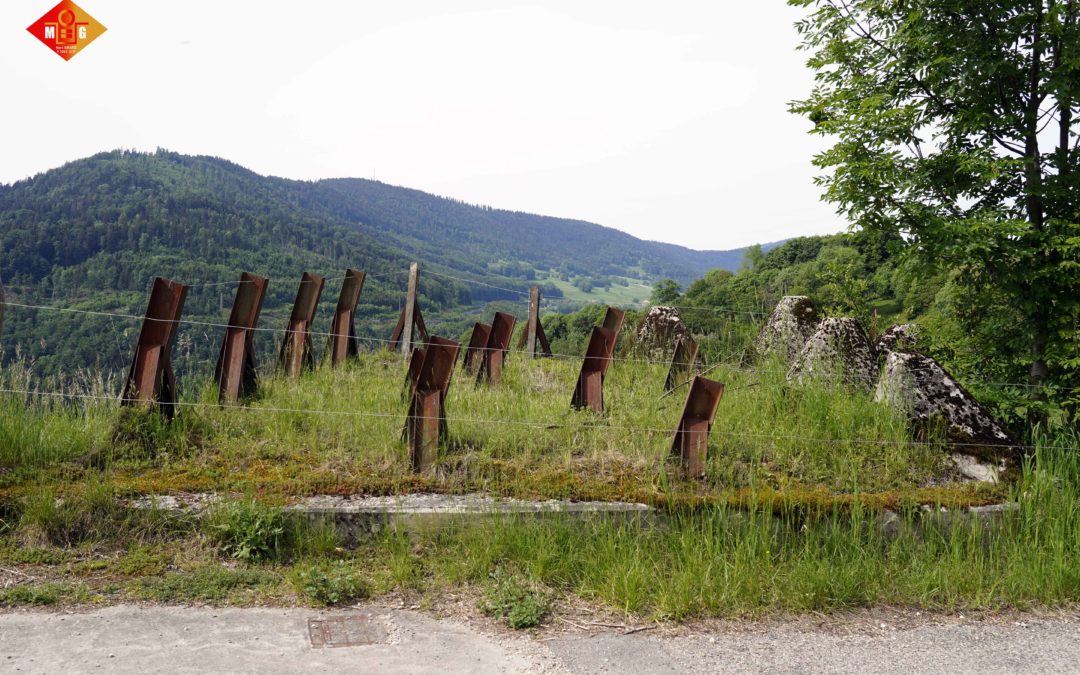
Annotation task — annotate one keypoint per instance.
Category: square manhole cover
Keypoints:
(346, 631)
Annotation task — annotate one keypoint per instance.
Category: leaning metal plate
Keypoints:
(346, 631)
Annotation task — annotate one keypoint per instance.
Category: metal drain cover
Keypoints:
(346, 631)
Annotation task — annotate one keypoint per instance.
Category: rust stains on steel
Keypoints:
(297, 353)
(589, 391)
(403, 337)
(425, 428)
(534, 330)
(151, 378)
(683, 360)
(235, 370)
(474, 353)
(498, 344)
(343, 343)
(613, 321)
(691, 442)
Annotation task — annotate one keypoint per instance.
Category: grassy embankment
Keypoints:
(783, 521)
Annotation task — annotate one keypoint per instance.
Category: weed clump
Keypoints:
(512, 598)
(247, 530)
(48, 593)
(208, 582)
(331, 584)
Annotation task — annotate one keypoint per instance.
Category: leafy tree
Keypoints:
(955, 126)
(752, 257)
(665, 292)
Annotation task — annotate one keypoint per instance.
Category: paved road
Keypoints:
(129, 639)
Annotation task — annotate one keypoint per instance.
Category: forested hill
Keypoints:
(118, 217)
(438, 228)
(92, 233)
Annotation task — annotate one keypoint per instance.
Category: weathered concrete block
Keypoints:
(790, 325)
(919, 386)
(658, 332)
(839, 349)
(901, 337)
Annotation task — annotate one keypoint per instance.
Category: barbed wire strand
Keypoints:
(386, 341)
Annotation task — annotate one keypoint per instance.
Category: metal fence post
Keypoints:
(474, 353)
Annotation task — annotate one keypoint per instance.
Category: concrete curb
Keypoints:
(356, 517)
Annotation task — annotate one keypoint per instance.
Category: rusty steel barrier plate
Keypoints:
(151, 378)
(683, 359)
(297, 352)
(399, 328)
(416, 361)
(235, 370)
(343, 342)
(498, 344)
(426, 425)
(691, 442)
(474, 353)
(589, 391)
(613, 321)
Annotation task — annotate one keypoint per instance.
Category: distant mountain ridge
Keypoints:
(544, 241)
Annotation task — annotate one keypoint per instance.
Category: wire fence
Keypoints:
(386, 342)
(532, 424)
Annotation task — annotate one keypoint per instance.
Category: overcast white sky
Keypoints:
(665, 120)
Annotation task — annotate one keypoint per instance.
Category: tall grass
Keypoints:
(721, 562)
(37, 430)
(340, 430)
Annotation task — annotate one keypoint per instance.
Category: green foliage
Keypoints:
(206, 582)
(666, 291)
(246, 530)
(88, 514)
(954, 124)
(333, 583)
(304, 538)
(48, 593)
(979, 335)
(753, 257)
(512, 598)
(68, 431)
